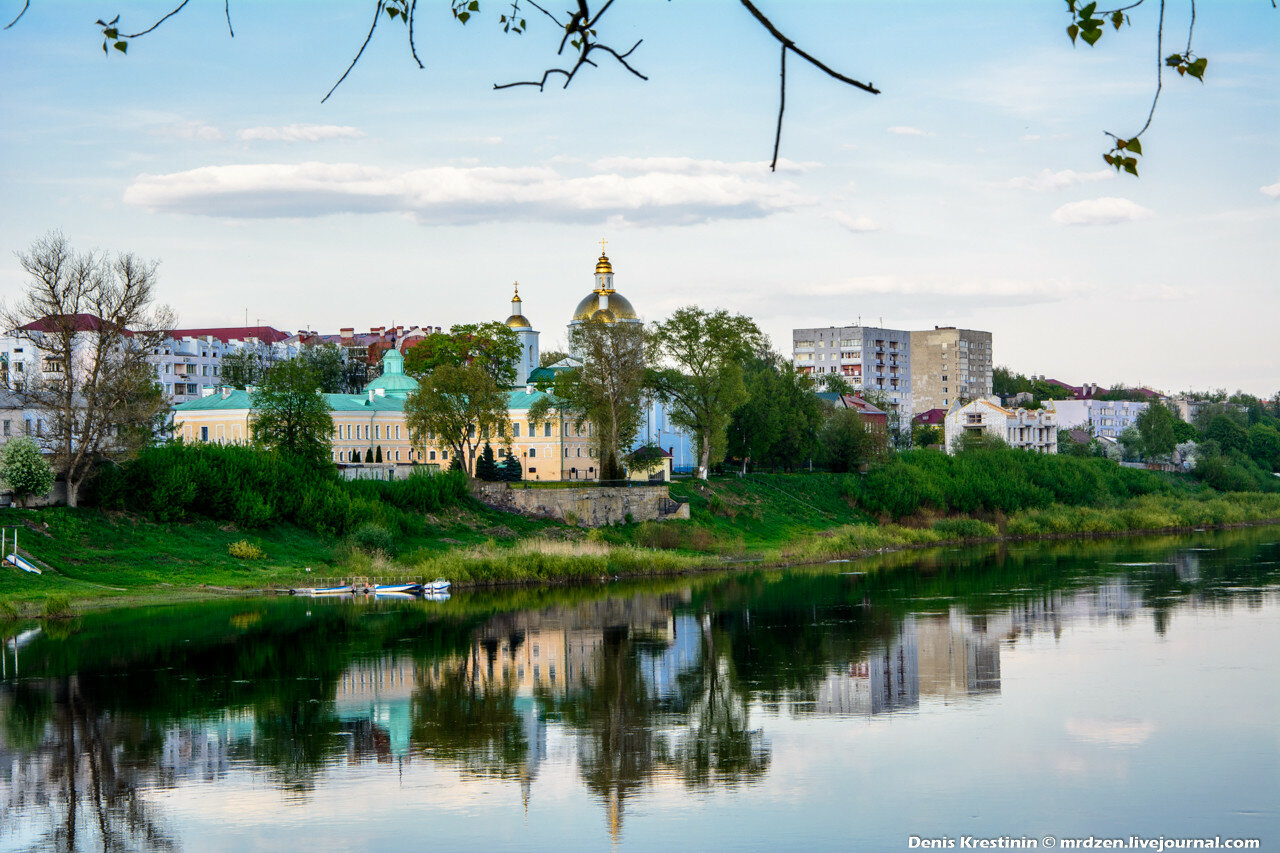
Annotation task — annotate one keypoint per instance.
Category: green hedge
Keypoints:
(253, 488)
(997, 481)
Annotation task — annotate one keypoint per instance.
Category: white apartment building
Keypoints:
(189, 361)
(1104, 418)
(1027, 429)
(871, 359)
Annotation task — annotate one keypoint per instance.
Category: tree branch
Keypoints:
(25, 6)
(226, 8)
(782, 106)
(816, 63)
(377, 12)
(159, 22)
(413, 45)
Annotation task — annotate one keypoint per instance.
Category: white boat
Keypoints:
(22, 563)
(324, 590)
(397, 587)
(437, 585)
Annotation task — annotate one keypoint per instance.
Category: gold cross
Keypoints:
(516, 285)
(602, 245)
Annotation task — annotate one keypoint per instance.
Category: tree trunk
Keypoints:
(704, 457)
(73, 493)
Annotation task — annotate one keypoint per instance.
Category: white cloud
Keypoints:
(189, 130)
(856, 224)
(463, 195)
(1100, 211)
(1272, 191)
(300, 133)
(1047, 181)
(904, 130)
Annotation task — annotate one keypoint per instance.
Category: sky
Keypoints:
(971, 192)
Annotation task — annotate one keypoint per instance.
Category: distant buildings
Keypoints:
(1028, 429)
(871, 359)
(1104, 418)
(949, 364)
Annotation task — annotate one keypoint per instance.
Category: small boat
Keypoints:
(325, 590)
(22, 563)
(397, 587)
(437, 585)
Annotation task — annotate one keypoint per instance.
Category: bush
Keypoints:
(245, 550)
(964, 528)
(24, 470)
(254, 488)
(57, 606)
(374, 538)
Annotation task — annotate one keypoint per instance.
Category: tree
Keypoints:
(845, 441)
(511, 470)
(23, 469)
(551, 356)
(247, 366)
(645, 459)
(492, 346)
(777, 425)
(834, 383)
(703, 353)
(928, 435)
(290, 415)
(1155, 427)
(605, 390)
(456, 406)
(976, 439)
(329, 364)
(1264, 445)
(486, 465)
(1130, 441)
(1228, 432)
(91, 319)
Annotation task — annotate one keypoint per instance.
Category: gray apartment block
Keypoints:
(949, 364)
(872, 360)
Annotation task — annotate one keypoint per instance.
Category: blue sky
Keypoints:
(971, 192)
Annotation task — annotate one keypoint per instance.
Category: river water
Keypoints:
(1109, 688)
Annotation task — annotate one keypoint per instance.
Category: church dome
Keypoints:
(616, 308)
(518, 321)
(393, 382)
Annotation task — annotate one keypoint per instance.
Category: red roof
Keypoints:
(268, 334)
(79, 323)
(853, 401)
(933, 416)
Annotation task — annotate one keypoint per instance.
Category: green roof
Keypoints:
(393, 382)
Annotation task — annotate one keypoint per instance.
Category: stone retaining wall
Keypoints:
(589, 506)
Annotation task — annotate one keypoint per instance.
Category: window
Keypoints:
(515, 430)
(348, 432)
(377, 431)
(546, 430)
(533, 452)
(444, 454)
(431, 454)
(397, 455)
(7, 427)
(204, 433)
(397, 431)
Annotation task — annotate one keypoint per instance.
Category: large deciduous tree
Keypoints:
(328, 363)
(605, 391)
(778, 423)
(290, 414)
(699, 356)
(458, 407)
(1155, 428)
(91, 318)
(492, 346)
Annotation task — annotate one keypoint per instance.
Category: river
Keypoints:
(1109, 688)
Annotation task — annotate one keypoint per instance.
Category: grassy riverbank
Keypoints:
(108, 558)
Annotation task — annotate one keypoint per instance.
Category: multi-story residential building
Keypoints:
(189, 361)
(873, 360)
(1103, 418)
(949, 364)
(1027, 429)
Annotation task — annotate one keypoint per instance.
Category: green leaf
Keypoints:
(1117, 19)
(1111, 161)
(474, 5)
(1131, 165)
(111, 32)
(1196, 69)
(121, 46)
(463, 17)
(104, 46)
(1073, 31)
(392, 12)
(1135, 146)
(1182, 69)
(1091, 36)
(1087, 11)
(1173, 59)
(1121, 143)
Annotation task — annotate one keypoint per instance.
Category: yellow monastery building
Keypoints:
(373, 424)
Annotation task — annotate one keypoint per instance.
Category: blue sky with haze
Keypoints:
(972, 192)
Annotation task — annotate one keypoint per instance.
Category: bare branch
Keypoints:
(782, 106)
(377, 12)
(413, 46)
(226, 8)
(579, 29)
(816, 63)
(159, 22)
(1159, 76)
(26, 5)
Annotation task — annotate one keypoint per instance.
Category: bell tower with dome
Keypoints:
(518, 323)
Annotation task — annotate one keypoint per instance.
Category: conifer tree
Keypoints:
(486, 466)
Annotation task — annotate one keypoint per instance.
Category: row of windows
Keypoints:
(342, 432)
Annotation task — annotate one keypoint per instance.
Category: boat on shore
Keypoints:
(438, 585)
(411, 588)
(324, 590)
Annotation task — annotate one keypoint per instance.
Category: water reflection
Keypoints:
(636, 689)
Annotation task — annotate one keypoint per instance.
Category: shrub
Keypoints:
(374, 538)
(245, 550)
(57, 606)
(24, 470)
(964, 528)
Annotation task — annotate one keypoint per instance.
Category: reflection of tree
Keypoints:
(295, 738)
(473, 725)
(84, 774)
(716, 747)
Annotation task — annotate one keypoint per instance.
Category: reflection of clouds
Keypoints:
(1110, 732)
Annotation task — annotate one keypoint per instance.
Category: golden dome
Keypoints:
(603, 265)
(516, 298)
(616, 306)
(518, 321)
